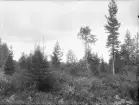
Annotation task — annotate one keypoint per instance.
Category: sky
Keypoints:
(24, 23)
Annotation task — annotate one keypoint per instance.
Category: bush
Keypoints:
(94, 60)
(59, 78)
(6, 88)
(133, 93)
(53, 81)
(77, 69)
(19, 79)
(73, 69)
(50, 83)
(14, 83)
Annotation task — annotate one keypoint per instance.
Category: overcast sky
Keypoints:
(23, 24)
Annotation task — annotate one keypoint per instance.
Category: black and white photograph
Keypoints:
(69, 52)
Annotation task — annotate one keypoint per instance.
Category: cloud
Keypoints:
(34, 30)
(26, 35)
(55, 22)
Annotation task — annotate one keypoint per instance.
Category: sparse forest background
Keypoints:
(87, 81)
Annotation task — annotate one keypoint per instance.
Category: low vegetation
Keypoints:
(72, 90)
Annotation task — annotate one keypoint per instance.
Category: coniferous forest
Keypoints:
(34, 79)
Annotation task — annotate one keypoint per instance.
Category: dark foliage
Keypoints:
(3, 53)
(94, 61)
(9, 67)
(23, 61)
(134, 93)
(103, 67)
(119, 63)
(126, 48)
(37, 68)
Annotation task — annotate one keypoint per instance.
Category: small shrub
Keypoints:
(19, 80)
(95, 85)
(54, 81)
(51, 82)
(6, 88)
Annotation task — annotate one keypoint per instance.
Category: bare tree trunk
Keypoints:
(86, 56)
(113, 63)
(113, 70)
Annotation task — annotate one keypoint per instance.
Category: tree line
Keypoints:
(123, 56)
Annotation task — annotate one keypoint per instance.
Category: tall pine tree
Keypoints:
(56, 56)
(112, 28)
